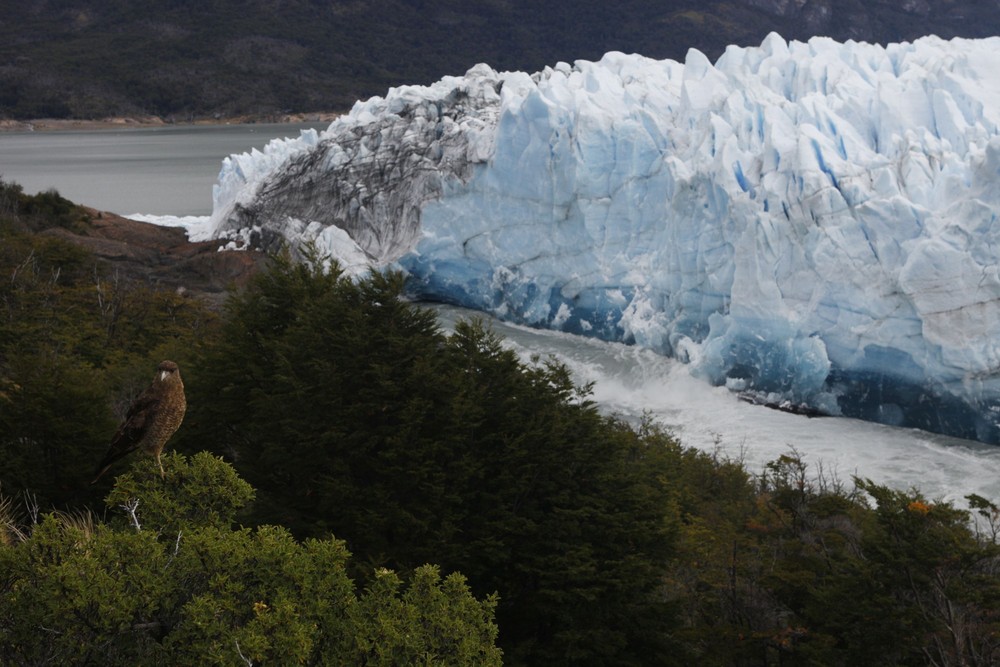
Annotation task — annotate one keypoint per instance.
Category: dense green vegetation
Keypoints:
(76, 338)
(336, 436)
(184, 58)
(170, 583)
(357, 415)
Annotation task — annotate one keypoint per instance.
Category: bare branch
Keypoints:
(245, 659)
(152, 625)
(177, 548)
(28, 260)
(31, 503)
(130, 507)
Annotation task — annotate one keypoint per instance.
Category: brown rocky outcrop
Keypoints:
(162, 256)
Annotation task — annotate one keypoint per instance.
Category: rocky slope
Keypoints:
(162, 256)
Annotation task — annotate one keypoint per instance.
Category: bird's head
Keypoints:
(167, 370)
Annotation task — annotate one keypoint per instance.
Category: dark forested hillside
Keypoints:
(198, 58)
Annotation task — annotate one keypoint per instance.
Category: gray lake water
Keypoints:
(166, 170)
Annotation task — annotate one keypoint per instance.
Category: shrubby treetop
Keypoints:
(351, 412)
(355, 416)
(171, 582)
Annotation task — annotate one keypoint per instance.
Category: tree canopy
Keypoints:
(168, 581)
(364, 442)
(78, 341)
(351, 412)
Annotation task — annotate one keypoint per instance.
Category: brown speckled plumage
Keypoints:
(151, 419)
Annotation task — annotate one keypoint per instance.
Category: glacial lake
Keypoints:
(165, 170)
(168, 172)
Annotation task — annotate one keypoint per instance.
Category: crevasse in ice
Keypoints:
(809, 222)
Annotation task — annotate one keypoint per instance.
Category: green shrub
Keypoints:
(172, 584)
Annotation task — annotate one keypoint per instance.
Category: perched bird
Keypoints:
(151, 419)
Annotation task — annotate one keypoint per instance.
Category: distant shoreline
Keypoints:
(137, 122)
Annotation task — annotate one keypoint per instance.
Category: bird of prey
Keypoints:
(151, 419)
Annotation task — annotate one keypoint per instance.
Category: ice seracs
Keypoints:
(813, 222)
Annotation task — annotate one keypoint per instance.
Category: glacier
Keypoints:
(812, 224)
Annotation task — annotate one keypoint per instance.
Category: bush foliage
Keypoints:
(77, 344)
(173, 584)
(360, 426)
(358, 416)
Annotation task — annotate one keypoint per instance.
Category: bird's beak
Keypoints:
(163, 375)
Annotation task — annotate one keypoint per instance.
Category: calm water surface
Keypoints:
(163, 171)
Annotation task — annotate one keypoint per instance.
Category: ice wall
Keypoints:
(811, 222)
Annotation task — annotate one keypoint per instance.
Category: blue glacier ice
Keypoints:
(810, 223)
